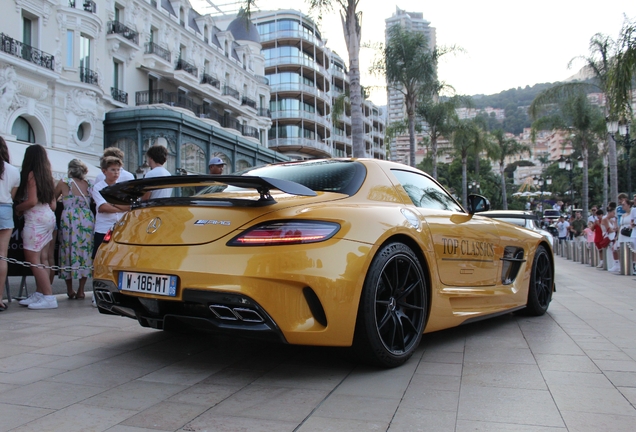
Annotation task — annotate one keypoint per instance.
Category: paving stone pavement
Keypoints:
(574, 369)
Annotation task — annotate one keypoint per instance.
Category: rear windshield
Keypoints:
(325, 175)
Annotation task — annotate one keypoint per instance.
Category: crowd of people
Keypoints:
(83, 215)
(606, 229)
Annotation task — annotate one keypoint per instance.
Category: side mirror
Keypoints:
(477, 203)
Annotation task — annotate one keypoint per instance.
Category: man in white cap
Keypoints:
(216, 166)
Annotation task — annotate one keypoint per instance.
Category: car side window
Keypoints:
(425, 193)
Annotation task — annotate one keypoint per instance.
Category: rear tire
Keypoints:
(541, 283)
(392, 310)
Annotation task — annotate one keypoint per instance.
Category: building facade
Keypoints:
(307, 81)
(66, 65)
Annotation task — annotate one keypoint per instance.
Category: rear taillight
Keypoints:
(107, 236)
(286, 232)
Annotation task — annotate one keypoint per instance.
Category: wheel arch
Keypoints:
(548, 248)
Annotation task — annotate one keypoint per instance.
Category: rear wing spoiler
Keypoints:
(130, 192)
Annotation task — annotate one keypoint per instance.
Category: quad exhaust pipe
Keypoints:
(227, 313)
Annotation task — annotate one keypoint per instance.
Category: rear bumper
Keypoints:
(200, 310)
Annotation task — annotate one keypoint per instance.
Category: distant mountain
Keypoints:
(519, 97)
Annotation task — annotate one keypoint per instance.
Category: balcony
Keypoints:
(231, 91)
(250, 131)
(264, 112)
(26, 52)
(261, 80)
(88, 76)
(206, 111)
(88, 5)
(211, 80)
(249, 102)
(187, 67)
(153, 48)
(119, 95)
(160, 96)
(115, 27)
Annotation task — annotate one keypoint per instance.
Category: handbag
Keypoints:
(626, 231)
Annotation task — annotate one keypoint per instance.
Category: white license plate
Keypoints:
(157, 284)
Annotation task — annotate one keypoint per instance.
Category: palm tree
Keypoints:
(466, 135)
(352, 29)
(501, 149)
(439, 116)
(409, 66)
(586, 125)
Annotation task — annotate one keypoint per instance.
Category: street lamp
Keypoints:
(474, 185)
(567, 164)
(622, 127)
(540, 181)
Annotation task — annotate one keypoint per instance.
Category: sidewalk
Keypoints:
(574, 369)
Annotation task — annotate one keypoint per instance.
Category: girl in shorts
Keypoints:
(36, 191)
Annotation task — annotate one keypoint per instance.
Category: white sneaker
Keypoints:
(94, 303)
(616, 267)
(36, 296)
(46, 302)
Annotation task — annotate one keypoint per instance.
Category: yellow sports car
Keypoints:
(339, 252)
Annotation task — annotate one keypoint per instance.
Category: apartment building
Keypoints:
(306, 80)
(79, 75)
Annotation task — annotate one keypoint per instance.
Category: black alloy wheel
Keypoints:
(392, 310)
(541, 283)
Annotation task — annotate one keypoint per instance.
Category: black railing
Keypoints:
(159, 96)
(264, 112)
(88, 76)
(71, 3)
(187, 67)
(115, 27)
(153, 3)
(211, 80)
(232, 123)
(249, 102)
(90, 6)
(26, 52)
(153, 48)
(205, 39)
(119, 95)
(231, 91)
(250, 131)
(206, 111)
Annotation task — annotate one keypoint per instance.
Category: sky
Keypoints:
(506, 44)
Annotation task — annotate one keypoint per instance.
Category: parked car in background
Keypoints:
(526, 219)
(550, 218)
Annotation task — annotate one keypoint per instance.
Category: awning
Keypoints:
(59, 160)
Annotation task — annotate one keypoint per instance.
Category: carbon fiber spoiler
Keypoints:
(130, 192)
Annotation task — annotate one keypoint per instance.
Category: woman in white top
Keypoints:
(9, 182)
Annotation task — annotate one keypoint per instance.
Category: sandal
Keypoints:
(71, 295)
(80, 296)
(3, 307)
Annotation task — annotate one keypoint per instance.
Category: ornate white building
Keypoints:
(67, 65)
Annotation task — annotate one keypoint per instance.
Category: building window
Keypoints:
(23, 130)
(85, 52)
(70, 44)
(29, 29)
(117, 75)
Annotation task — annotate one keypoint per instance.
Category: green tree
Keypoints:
(439, 116)
(586, 126)
(466, 135)
(503, 147)
(409, 65)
